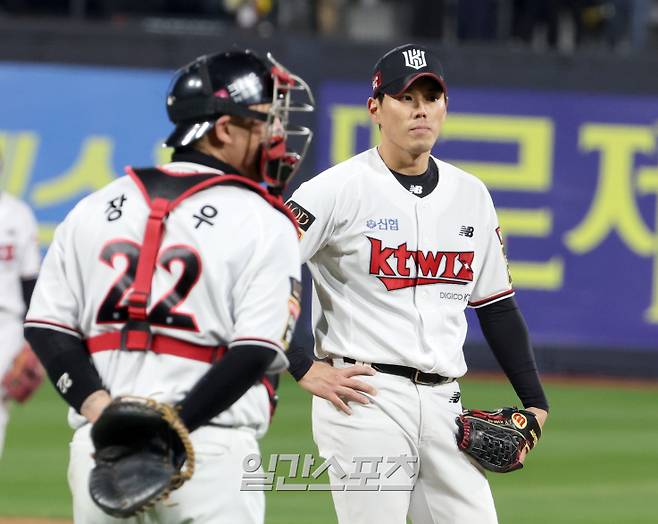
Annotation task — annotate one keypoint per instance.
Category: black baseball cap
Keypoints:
(400, 67)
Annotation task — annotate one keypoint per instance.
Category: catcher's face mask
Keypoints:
(285, 142)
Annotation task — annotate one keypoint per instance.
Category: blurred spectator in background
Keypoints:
(586, 23)
(249, 13)
(327, 16)
(640, 22)
(477, 20)
(601, 21)
(427, 19)
(557, 24)
(530, 15)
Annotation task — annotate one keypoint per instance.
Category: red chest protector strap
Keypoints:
(163, 191)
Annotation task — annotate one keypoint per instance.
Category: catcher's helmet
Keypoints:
(227, 84)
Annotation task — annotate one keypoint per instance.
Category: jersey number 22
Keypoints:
(164, 312)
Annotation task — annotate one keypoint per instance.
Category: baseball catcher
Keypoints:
(497, 439)
(141, 448)
(154, 296)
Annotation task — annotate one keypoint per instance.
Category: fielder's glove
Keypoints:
(496, 438)
(24, 376)
(141, 447)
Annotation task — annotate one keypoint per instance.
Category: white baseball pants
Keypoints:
(11, 331)
(403, 419)
(212, 495)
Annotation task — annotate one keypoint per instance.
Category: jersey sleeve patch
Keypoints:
(294, 310)
(502, 247)
(304, 217)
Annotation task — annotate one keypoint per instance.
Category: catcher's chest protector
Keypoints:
(163, 191)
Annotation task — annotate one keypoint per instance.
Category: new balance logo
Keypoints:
(414, 58)
(466, 231)
(416, 190)
(455, 397)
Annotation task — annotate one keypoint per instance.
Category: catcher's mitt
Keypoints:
(141, 447)
(24, 376)
(496, 439)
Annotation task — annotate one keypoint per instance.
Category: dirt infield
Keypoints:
(33, 520)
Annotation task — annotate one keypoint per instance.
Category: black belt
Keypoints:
(413, 374)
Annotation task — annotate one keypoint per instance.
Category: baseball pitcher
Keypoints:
(398, 244)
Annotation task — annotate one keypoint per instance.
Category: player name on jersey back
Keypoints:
(222, 277)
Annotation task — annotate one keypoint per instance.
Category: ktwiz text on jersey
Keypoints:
(432, 267)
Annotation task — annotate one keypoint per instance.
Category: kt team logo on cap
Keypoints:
(414, 58)
(400, 67)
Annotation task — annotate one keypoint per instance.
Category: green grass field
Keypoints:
(597, 462)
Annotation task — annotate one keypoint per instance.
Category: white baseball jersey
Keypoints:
(19, 259)
(226, 271)
(393, 273)
(19, 253)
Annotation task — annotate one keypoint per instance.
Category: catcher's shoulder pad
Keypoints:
(141, 447)
(497, 438)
